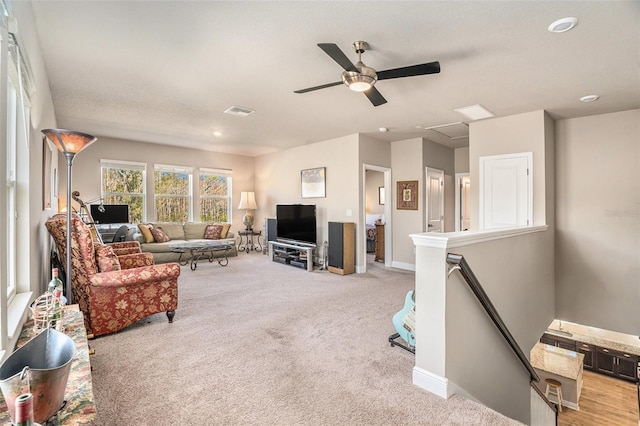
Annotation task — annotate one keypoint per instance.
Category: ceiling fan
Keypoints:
(361, 78)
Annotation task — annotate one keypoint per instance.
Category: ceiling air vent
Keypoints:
(239, 111)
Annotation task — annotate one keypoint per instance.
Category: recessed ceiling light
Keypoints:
(217, 134)
(589, 98)
(475, 112)
(562, 25)
(383, 129)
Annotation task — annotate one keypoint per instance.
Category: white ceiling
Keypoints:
(164, 71)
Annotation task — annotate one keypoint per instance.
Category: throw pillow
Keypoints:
(225, 230)
(145, 230)
(159, 235)
(106, 259)
(213, 232)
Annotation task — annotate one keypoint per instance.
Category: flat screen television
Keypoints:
(296, 223)
(113, 213)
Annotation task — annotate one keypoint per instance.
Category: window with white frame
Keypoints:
(123, 182)
(215, 195)
(15, 71)
(172, 193)
(11, 195)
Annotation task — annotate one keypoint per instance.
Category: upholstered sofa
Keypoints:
(179, 233)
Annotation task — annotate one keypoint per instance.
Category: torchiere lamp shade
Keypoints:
(69, 141)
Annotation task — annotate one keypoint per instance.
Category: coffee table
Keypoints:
(194, 251)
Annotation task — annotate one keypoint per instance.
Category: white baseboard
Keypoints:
(403, 265)
(430, 382)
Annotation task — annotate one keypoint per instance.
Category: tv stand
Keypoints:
(294, 254)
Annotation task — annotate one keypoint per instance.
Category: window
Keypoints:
(172, 189)
(215, 195)
(11, 195)
(123, 182)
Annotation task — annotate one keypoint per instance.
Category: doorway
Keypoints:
(463, 202)
(434, 200)
(376, 189)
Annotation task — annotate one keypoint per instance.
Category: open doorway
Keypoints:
(375, 226)
(463, 202)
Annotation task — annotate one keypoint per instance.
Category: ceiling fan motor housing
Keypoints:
(365, 77)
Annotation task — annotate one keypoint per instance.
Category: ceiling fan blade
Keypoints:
(375, 97)
(337, 55)
(410, 71)
(324, 86)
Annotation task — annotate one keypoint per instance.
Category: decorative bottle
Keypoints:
(55, 282)
(55, 288)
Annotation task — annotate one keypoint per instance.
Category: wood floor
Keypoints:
(603, 401)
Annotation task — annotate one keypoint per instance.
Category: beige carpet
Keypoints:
(260, 343)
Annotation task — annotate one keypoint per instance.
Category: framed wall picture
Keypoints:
(381, 195)
(313, 182)
(407, 195)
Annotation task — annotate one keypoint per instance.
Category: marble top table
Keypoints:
(80, 408)
(562, 365)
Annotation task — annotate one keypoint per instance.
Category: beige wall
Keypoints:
(508, 135)
(407, 164)
(86, 170)
(443, 158)
(461, 160)
(374, 180)
(278, 181)
(598, 221)
(517, 275)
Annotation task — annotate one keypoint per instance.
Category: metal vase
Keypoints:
(41, 367)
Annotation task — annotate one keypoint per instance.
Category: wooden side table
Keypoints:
(379, 243)
(249, 243)
(80, 408)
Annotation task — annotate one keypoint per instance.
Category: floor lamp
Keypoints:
(69, 143)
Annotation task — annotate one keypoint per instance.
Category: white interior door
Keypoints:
(463, 202)
(435, 200)
(506, 191)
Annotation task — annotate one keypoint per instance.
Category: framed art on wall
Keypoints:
(381, 197)
(407, 195)
(313, 182)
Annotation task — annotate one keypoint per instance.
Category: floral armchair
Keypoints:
(115, 284)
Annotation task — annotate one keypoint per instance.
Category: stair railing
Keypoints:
(458, 262)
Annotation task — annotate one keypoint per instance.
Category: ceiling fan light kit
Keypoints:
(360, 82)
(361, 78)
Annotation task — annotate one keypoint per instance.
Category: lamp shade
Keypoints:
(247, 201)
(69, 141)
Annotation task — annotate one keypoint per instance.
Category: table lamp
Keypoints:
(248, 203)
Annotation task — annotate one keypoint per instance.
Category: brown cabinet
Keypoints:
(379, 243)
(617, 364)
(589, 352)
